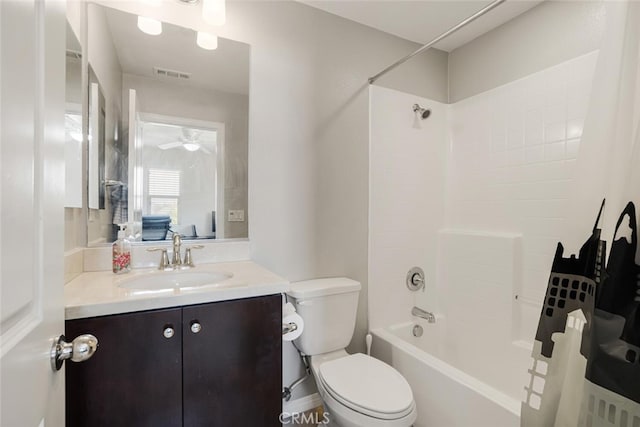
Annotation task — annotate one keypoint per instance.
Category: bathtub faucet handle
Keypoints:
(415, 279)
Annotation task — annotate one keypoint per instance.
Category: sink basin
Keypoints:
(175, 280)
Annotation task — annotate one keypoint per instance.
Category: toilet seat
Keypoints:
(368, 386)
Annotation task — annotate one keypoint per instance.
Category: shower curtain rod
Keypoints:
(437, 39)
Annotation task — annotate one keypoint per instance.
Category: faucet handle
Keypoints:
(164, 257)
(188, 259)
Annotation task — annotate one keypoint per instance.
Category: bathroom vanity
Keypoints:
(204, 356)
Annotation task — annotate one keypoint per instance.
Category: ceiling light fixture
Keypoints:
(149, 26)
(191, 146)
(207, 41)
(214, 12)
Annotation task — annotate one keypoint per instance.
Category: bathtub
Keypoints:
(457, 382)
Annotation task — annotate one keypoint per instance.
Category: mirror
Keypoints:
(174, 132)
(73, 121)
(97, 135)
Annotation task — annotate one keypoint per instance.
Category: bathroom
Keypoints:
(343, 178)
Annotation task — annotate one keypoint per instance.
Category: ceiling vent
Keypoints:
(164, 72)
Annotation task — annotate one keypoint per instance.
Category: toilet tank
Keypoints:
(328, 308)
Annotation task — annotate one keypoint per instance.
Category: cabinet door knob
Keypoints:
(196, 327)
(168, 331)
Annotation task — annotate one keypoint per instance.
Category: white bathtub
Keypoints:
(456, 382)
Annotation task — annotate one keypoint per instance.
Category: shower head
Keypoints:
(423, 113)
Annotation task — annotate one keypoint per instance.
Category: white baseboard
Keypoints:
(302, 404)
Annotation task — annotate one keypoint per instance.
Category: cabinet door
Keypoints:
(232, 367)
(135, 376)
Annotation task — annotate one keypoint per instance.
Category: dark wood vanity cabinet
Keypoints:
(214, 364)
(135, 376)
(237, 358)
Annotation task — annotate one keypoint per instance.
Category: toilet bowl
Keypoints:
(357, 390)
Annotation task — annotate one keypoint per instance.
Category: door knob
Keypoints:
(78, 350)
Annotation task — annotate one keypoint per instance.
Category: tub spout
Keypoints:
(428, 316)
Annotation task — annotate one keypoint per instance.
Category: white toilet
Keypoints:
(357, 390)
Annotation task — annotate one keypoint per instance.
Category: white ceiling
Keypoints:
(423, 20)
(225, 69)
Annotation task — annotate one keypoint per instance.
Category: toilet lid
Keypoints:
(367, 385)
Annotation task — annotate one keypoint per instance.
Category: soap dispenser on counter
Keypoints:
(121, 253)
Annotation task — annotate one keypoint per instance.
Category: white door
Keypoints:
(32, 53)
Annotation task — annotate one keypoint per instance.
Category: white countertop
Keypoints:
(98, 293)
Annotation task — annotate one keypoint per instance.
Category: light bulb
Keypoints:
(207, 41)
(214, 12)
(149, 25)
(190, 146)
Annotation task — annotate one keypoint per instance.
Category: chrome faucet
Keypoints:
(428, 316)
(176, 258)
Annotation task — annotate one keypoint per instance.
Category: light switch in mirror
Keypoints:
(182, 153)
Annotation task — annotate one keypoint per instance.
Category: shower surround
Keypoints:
(478, 195)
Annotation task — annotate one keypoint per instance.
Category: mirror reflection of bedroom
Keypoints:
(181, 176)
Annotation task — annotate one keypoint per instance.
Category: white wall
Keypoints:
(546, 35)
(103, 57)
(513, 155)
(74, 17)
(406, 200)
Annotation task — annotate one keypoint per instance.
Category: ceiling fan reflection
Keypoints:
(190, 141)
